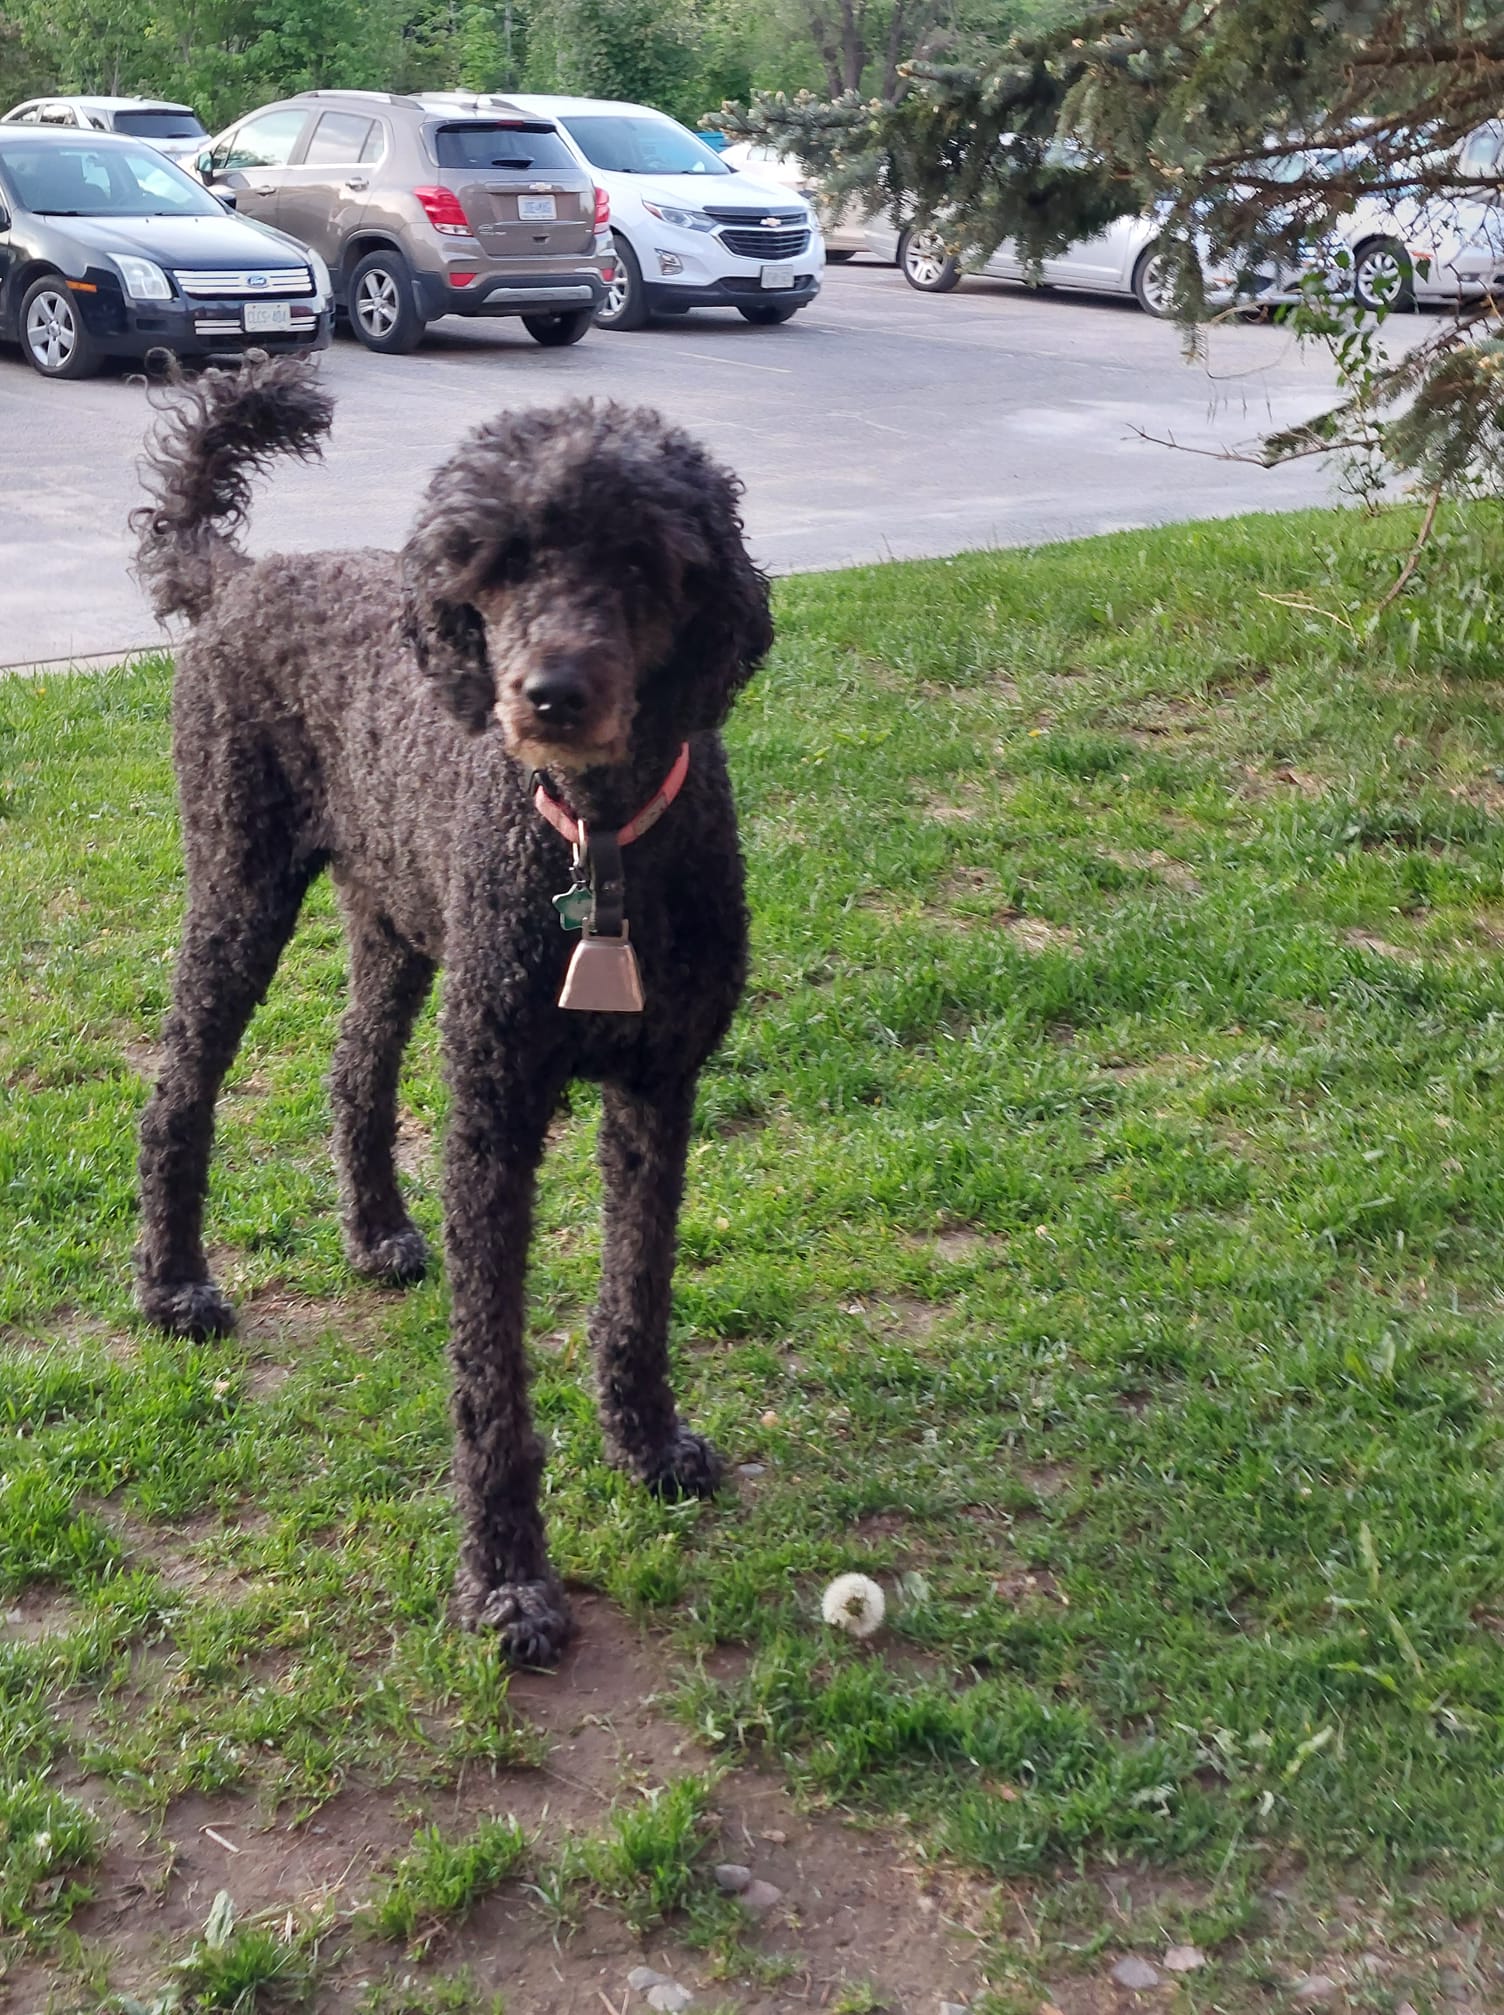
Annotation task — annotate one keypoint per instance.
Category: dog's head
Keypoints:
(579, 575)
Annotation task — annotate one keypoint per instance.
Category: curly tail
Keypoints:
(215, 434)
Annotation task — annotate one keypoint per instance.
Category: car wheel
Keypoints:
(1383, 276)
(765, 313)
(53, 334)
(1152, 287)
(926, 264)
(382, 311)
(554, 331)
(625, 306)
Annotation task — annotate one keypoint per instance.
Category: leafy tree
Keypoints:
(1252, 125)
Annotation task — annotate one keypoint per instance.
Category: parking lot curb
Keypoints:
(96, 661)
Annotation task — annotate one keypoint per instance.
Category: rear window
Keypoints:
(160, 125)
(496, 145)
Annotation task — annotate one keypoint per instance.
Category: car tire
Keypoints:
(766, 313)
(1383, 276)
(925, 263)
(53, 335)
(626, 306)
(555, 331)
(1151, 287)
(382, 311)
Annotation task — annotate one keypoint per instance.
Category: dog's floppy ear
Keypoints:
(730, 631)
(446, 633)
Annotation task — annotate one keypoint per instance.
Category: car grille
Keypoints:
(235, 283)
(765, 244)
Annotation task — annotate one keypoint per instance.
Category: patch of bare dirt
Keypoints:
(905, 1313)
(416, 1152)
(37, 1613)
(181, 1553)
(1036, 935)
(853, 1904)
(1366, 941)
(1154, 861)
(144, 1058)
(959, 1245)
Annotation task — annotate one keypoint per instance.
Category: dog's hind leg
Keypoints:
(642, 1149)
(389, 982)
(235, 934)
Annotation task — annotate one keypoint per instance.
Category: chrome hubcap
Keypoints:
(376, 304)
(616, 292)
(51, 332)
(1156, 286)
(925, 259)
(1380, 278)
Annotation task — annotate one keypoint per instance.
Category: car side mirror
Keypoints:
(205, 164)
(4, 218)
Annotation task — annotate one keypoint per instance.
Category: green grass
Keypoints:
(1095, 1229)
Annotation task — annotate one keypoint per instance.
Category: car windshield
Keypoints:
(160, 125)
(86, 180)
(626, 143)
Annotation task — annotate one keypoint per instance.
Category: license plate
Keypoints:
(777, 276)
(536, 209)
(261, 315)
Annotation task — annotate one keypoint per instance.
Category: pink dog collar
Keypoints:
(564, 822)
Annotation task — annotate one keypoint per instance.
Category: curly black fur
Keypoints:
(339, 710)
(213, 437)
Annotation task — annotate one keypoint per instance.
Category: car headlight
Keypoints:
(322, 283)
(686, 220)
(141, 279)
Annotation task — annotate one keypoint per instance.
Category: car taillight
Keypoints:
(445, 212)
(602, 209)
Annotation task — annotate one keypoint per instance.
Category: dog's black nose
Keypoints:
(556, 693)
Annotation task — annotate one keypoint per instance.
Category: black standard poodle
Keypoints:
(509, 726)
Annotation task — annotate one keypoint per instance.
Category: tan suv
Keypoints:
(468, 207)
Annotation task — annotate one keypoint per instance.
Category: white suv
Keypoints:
(690, 232)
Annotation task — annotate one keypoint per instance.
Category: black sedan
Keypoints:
(108, 250)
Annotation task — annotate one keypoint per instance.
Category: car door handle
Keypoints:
(262, 189)
(357, 182)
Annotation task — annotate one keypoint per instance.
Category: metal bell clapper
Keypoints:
(603, 976)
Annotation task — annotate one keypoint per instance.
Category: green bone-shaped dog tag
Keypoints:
(574, 907)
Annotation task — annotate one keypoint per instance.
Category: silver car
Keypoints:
(174, 130)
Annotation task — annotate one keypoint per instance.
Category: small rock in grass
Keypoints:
(751, 1469)
(669, 1997)
(1183, 1959)
(1314, 1987)
(1135, 1973)
(641, 1978)
(759, 1897)
(731, 1878)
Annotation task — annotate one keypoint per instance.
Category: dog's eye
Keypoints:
(512, 561)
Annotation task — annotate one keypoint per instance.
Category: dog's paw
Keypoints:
(193, 1308)
(399, 1260)
(531, 1618)
(689, 1466)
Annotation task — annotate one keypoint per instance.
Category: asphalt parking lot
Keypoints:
(881, 423)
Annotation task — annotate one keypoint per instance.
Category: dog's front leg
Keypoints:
(498, 1118)
(643, 1143)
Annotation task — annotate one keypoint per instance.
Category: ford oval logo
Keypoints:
(256, 280)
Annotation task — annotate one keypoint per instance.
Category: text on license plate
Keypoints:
(536, 209)
(777, 276)
(267, 315)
